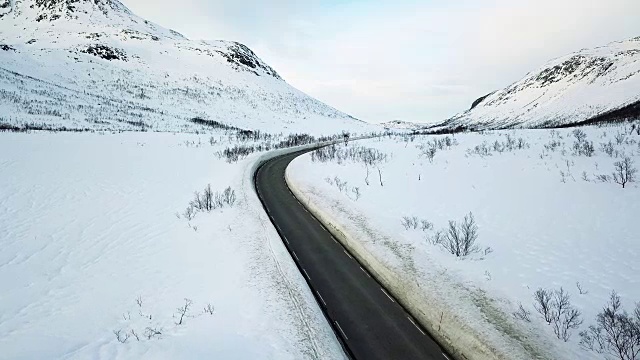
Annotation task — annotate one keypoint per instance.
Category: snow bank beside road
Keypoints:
(548, 224)
(88, 226)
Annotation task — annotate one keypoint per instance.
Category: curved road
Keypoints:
(368, 321)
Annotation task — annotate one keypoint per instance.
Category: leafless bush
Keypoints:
(542, 303)
(228, 197)
(209, 309)
(481, 150)
(522, 314)
(190, 212)
(356, 192)
(340, 154)
(603, 178)
(565, 316)
(620, 138)
(183, 311)
(555, 306)
(581, 290)
(459, 240)
(624, 172)
(430, 149)
(607, 148)
(426, 225)
(410, 222)
(134, 334)
(207, 199)
(581, 146)
(150, 332)
(553, 145)
(120, 336)
(616, 333)
(579, 135)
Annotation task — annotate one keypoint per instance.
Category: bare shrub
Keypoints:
(556, 309)
(207, 199)
(356, 192)
(183, 311)
(229, 196)
(565, 316)
(607, 148)
(481, 150)
(581, 146)
(603, 178)
(624, 172)
(459, 240)
(150, 332)
(581, 290)
(426, 225)
(410, 222)
(542, 303)
(121, 336)
(616, 333)
(190, 212)
(522, 313)
(209, 309)
(620, 138)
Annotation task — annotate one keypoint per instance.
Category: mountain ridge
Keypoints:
(567, 90)
(154, 78)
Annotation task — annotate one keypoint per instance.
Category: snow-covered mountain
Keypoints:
(601, 83)
(93, 64)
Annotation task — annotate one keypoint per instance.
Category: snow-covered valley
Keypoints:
(549, 214)
(94, 241)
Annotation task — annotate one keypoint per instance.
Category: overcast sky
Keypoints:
(420, 61)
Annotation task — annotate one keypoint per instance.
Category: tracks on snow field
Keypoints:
(364, 316)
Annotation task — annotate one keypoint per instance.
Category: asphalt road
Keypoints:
(369, 322)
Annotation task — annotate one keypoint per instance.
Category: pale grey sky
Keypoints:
(420, 61)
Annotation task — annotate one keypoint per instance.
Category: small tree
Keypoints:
(183, 310)
(616, 333)
(207, 198)
(624, 172)
(542, 304)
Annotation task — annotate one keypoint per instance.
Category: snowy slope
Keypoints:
(571, 89)
(95, 65)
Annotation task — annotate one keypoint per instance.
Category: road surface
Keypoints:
(366, 318)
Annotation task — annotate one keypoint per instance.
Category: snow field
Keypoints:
(538, 228)
(90, 223)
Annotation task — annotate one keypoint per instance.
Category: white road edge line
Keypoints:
(445, 356)
(349, 255)
(341, 331)
(364, 271)
(321, 299)
(294, 255)
(306, 274)
(334, 240)
(416, 325)
(390, 298)
(285, 239)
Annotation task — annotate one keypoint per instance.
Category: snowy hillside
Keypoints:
(69, 64)
(572, 89)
